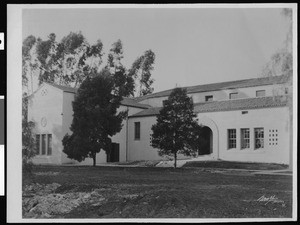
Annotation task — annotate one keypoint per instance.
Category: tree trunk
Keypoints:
(175, 159)
(94, 159)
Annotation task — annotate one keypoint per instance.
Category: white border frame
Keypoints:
(14, 109)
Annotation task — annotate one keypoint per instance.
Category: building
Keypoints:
(245, 120)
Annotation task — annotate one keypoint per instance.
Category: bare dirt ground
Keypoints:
(149, 192)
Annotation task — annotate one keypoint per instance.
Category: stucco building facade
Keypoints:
(245, 120)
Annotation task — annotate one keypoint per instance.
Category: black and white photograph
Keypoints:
(152, 113)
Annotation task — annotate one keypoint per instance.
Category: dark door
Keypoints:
(114, 154)
(205, 146)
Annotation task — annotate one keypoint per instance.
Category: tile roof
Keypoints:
(126, 101)
(134, 103)
(224, 85)
(228, 105)
(63, 88)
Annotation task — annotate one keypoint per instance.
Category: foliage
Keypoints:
(281, 62)
(177, 129)
(141, 72)
(28, 141)
(122, 79)
(71, 60)
(66, 62)
(95, 118)
(28, 65)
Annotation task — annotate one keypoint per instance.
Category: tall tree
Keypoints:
(71, 60)
(95, 118)
(281, 63)
(45, 52)
(122, 79)
(177, 129)
(29, 65)
(66, 62)
(141, 72)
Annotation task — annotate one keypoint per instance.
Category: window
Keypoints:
(274, 135)
(209, 98)
(260, 93)
(37, 141)
(49, 152)
(244, 112)
(259, 137)
(245, 138)
(137, 130)
(44, 144)
(231, 138)
(233, 95)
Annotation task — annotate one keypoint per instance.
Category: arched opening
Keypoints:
(211, 134)
(206, 141)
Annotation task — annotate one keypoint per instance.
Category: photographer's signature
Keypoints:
(272, 199)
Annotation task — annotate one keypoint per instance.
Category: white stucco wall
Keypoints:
(141, 149)
(267, 118)
(220, 122)
(119, 138)
(50, 107)
(247, 92)
(56, 107)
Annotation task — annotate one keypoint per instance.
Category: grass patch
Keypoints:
(151, 192)
(236, 165)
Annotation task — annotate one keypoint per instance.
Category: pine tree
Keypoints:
(95, 118)
(177, 129)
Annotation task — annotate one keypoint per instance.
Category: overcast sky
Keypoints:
(192, 45)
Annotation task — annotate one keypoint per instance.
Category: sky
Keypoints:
(193, 46)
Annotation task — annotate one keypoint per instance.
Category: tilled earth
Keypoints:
(119, 192)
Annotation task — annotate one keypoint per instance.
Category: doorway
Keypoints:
(206, 141)
(114, 154)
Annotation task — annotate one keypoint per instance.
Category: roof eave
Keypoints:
(134, 106)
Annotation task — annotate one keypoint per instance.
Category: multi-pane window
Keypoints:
(259, 137)
(231, 138)
(260, 93)
(233, 95)
(137, 130)
(44, 144)
(209, 98)
(245, 138)
(273, 137)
